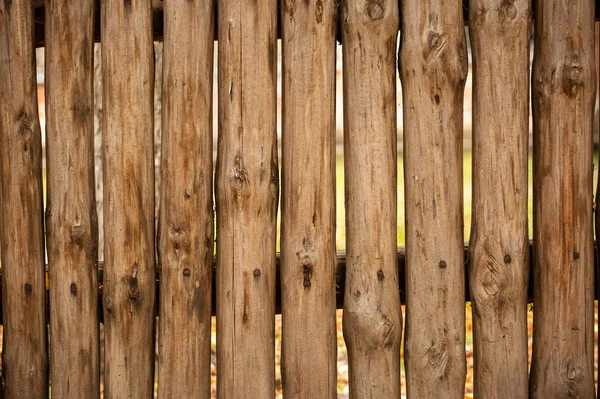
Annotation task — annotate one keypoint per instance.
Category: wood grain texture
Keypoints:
(71, 221)
(596, 211)
(185, 239)
(247, 188)
(127, 128)
(563, 96)
(24, 349)
(499, 253)
(433, 69)
(308, 258)
(372, 317)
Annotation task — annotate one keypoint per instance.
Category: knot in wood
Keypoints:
(290, 8)
(306, 271)
(133, 283)
(239, 172)
(77, 234)
(507, 10)
(73, 289)
(26, 125)
(319, 11)
(575, 255)
(380, 275)
(434, 40)
(572, 80)
(28, 289)
(480, 15)
(375, 9)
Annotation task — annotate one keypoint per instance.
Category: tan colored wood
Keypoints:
(596, 211)
(499, 250)
(563, 99)
(24, 350)
(129, 275)
(246, 199)
(71, 221)
(372, 316)
(433, 69)
(308, 258)
(185, 240)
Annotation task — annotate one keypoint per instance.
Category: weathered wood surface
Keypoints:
(433, 69)
(185, 237)
(563, 97)
(158, 15)
(247, 188)
(596, 212)
(24, 354)
(372, 317)
(340, 280)
(308, 258)
(129, 275)
(71, 221)
(499, 252)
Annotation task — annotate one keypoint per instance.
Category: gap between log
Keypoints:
(340, 277)
(157, 20)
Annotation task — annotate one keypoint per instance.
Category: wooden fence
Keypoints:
(251, 281)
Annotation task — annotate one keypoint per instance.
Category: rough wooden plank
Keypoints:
(308, 200)
(433, 69)
(596, 212)
(499, 267)
(72, 226)
(340, 280)
(24, 354)
(372, 316)
(129, 276)
(246, 199)
(185, 239)
(157, 20)
(563, 108)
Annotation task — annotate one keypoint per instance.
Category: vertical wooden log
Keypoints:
(499, 247)
(247, 190)
(563, 107)
(24, 356)
(372, 316)
(71, 219)
(433, 69)
(185, 240)
(597, 211)
(129, 275)
(308, 258)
